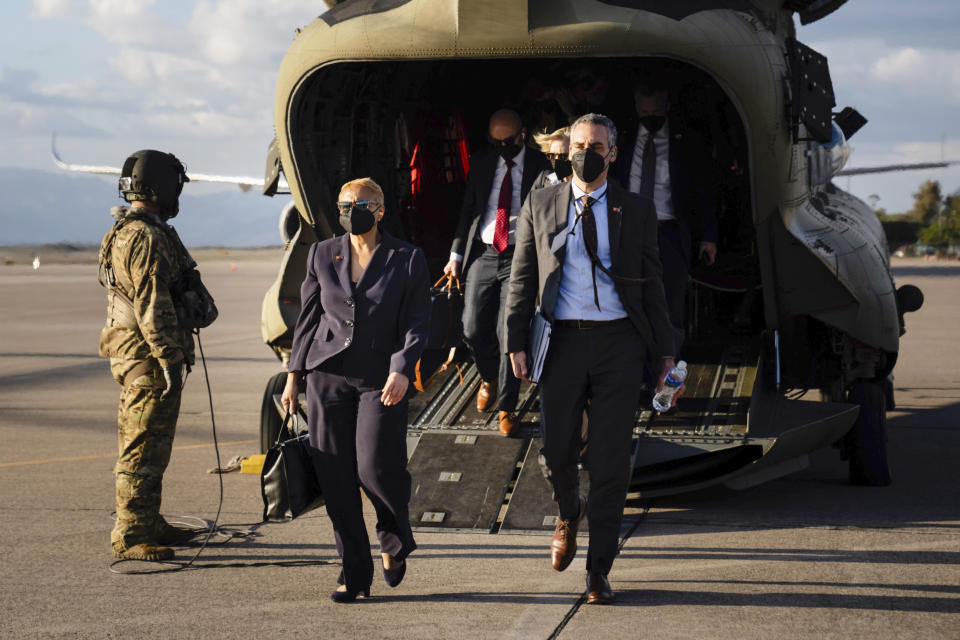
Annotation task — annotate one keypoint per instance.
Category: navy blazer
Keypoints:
(387, 314)
(692, 180)
(483, 167)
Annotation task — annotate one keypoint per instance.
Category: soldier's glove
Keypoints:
(174, 377)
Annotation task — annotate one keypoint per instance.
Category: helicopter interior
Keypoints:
(412, 125)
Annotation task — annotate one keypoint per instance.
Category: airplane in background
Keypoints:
(245, 183)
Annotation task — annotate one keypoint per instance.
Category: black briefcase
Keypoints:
(446, 314)
(287, 483)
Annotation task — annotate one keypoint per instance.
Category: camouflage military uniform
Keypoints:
(141, 337)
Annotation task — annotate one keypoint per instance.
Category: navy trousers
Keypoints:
(358, 443)
(599, 364)
(483, 316)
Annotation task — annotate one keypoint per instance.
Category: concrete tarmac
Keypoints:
(805, 556)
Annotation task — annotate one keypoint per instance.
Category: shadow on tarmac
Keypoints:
(798, 555)
(923, 496)
(787, 599)
(477, 597)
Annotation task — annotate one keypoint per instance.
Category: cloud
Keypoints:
(921, 69)
(887, 73)
(216, 68)
(120, 7)
(19, 119)
(53, 9)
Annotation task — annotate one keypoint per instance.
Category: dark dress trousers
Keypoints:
(486, 272)
(692, 191)
(603, 364)
(348, 339)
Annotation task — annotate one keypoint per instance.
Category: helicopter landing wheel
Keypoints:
(270, 418)
(866, 442)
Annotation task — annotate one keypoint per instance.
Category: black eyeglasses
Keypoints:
(345, 206)
(506, 141)
(555, 156)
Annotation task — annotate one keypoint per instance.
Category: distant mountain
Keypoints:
(41, 207)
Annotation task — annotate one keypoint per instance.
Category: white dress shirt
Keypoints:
(662, 197)
(489, 222)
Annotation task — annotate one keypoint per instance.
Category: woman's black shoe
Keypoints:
(349, 596)
(394, 577)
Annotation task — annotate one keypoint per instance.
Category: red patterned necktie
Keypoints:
(502, 229)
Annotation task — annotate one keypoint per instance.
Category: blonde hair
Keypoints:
(367, 183)
(544, 139)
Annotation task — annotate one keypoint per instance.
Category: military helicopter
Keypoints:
(801, 299)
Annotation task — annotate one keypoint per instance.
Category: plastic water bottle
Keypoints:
(673, 381)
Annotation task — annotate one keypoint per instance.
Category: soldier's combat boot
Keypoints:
(168, 534)
(144, 551)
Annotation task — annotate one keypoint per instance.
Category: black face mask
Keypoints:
(653, 123)
(561, 167)
(358, 221)
(588, 164)
(508, 152)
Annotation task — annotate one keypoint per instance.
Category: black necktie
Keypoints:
(648, 172)
(589, 225)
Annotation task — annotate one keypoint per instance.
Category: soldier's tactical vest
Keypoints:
(191, 299)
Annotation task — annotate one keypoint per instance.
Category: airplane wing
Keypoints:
(244, 182)
(859, 171)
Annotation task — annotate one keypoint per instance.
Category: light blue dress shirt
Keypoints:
(575, 299)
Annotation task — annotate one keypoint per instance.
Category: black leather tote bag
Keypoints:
(446, 314)
(287, 483)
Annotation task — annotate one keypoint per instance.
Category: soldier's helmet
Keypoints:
(153, 176)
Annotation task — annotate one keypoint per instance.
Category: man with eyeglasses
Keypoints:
(497, 185)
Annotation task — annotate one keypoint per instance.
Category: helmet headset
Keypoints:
(153, 176)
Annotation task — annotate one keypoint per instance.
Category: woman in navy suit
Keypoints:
(362, 327)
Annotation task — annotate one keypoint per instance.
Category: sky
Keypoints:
(196, 77)
(113, 76)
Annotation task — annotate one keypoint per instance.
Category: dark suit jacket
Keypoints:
(483, 166)
(541, 248)
(692, 180)
(387, 314)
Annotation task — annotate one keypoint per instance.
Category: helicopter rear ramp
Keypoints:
(727, 432)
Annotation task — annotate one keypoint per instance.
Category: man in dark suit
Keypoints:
(498, 184)
(588, 250)
(669, 167)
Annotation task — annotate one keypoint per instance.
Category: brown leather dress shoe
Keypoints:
(563, 547)
(508, 422)
(486, 396)
(598, 588)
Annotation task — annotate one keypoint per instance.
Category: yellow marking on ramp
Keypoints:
(103, 456)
